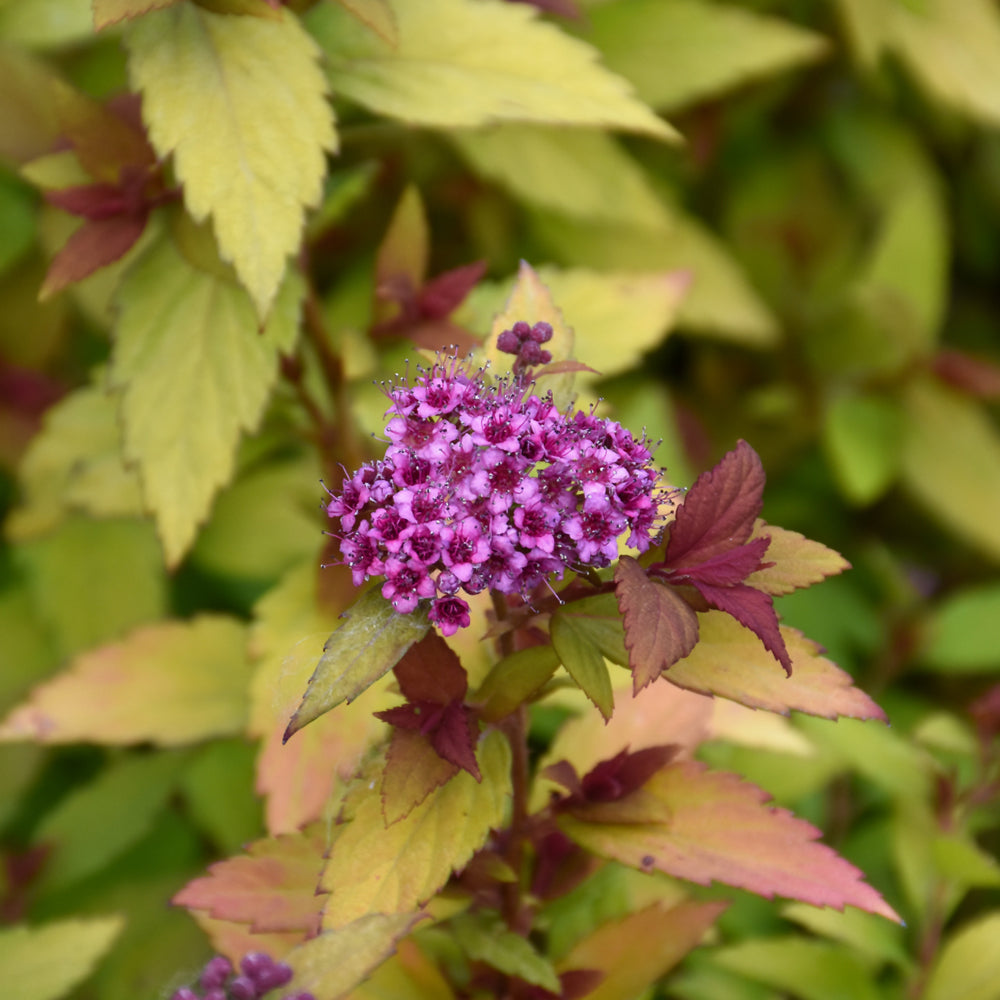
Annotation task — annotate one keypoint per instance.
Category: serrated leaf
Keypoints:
(297, 778)
(46, 961)
(717, 827)
(689, 50)
(168, 684)
(812, 970)
(636, 951)
(370, 643)
(489, 941)
(272, 887)
(951, 441)
(337, 960)
(514, 680)
(660, 626)
(962, 634)
(729, 662)
(413, 769)
(459, 64)
(968, 965)
(241, 104)
(567, 170)
(796, 561)
(187, 342)
(108, 12)
(583, 660)
(75, 463)
(375, 869)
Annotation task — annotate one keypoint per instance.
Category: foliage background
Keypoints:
(835, 208)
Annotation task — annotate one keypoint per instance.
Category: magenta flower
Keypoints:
(486, 484)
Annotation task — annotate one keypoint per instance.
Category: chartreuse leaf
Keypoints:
(714, 826)
(45, 24)
(271, 887)
(98, 822)
(797, 561)
(487, 939)
(370, 643)
(582, 658)
(240, 102)
(864, 933)
(951, 462)
(636, 951)
(108, 12)
(463, 63)
(962, 634)
(291, 623)
(75, 463)
(171, 683)
(392, 870)
(334, 962)
(812, 970)
(968, 966)
(720, 302)
(409, 974)
(92, 581)
(413, 769)
(729, 661)
(687, 50)
(187, 343)
(963, 862)
(377, 15)
(514, 680)
(30, 125)
(47, 961)
(567, 170)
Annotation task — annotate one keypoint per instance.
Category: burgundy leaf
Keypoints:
(430, 671)
(573, 985)
(729, 568)
(441, 296)
(660, 627)
(624, 773)
(563, 773)
(454, 737)
(97, 243)
(974, 375)
(719, 510)
(92, 201)
(408, 716)
(754, 609)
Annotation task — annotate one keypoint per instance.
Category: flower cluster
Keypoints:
(258, 975)
(485, 484)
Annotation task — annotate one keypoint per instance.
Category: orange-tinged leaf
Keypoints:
(660, 626)
(413, 769)
(272, 888)
(797, 561)
(634, 952)
(108, 12)
(729, 661)
(170, 684)
(377, 869)
(236, 940)
(330, 965)
(716, 827)
(298, 777)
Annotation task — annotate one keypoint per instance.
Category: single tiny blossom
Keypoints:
(487, 485)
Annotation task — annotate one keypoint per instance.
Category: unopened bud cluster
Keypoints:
(485, 484)
(258, 975)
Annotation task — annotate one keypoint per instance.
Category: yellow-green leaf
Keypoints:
(46, 961)
(377, 15)
(45, 24)
(962, 635)
(194, 371)
(75, 464)
(108, 12)
(169, 684)
(583, 661)
(951, 462)
(687, 50)
(968, 966)
(486, 939)
(374, 869)
(370, 643)
(463, 63)
(567, 170)
(335, 961)
(514, 680)
(240, 103)
(798, 561)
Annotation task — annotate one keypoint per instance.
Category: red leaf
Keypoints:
(441, 296)
(97, 243)
(92, 201)
(729, 568)
(273, 887)
(719, 510)
(755, 610)
(624, 773)
(660, 627)
(431, 671)
(455, 737)
(976, 376)
(410, 717)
